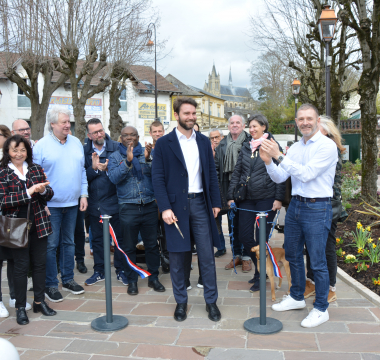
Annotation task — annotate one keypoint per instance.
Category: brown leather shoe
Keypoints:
(309, 289)
(247, 265)
(331, 297)
(230, 265)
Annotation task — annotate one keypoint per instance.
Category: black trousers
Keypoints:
(247, 220)
(35, 253)
(330, 257)
(143, 219)
(79, 237)
(10, 271)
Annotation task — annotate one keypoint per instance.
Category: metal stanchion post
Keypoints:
(109, 322)
(263, 325)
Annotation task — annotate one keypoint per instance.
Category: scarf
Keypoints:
(137, 151)
(232, 152)
(256, 143)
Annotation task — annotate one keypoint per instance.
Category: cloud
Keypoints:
(202, 31)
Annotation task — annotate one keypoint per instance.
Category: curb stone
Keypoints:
(361, 289)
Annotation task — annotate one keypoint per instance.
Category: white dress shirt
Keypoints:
(311, 167)
(190, 152)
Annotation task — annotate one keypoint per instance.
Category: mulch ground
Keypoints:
(344, 230)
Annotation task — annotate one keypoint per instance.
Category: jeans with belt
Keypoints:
(308, 222)
(143, 218)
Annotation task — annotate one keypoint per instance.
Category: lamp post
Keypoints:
(296, 86)
(326, 26)
(150, 43)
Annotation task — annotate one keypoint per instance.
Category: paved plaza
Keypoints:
(353, 332)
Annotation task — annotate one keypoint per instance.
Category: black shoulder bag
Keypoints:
(240, 190)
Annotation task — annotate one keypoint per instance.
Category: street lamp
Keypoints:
(296, 86)
(326, 26)
(150, 43)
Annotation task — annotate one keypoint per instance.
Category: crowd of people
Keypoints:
(179, 186)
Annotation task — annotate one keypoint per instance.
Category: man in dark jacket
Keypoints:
(225, 162)
(102, 199)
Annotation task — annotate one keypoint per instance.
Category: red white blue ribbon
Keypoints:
(276, 268)
(143, 273)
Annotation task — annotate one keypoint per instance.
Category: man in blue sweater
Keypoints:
(130, 170)
(61, 155)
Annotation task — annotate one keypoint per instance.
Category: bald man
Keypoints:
(129, 169)
(21, 127)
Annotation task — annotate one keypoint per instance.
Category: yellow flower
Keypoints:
(373, 245)
(359, 225)
(337, 239)
(370, 240)
(368, 228)
(360, 250)
(343, 252)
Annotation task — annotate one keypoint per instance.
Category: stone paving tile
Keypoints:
(194, 300)
(93, 288)
(376, 312)
(36, 327)
(212, 338)
(146, 335)
(67, 356)
(123, 290)
(254, 301)
(141, 320)
(350, 314)
(293, 315)
(232, 324)
(157, 309)
(283, 341)
(233, 293)
(364, 328)
(349, 342)
(327, 327)
(34, 354)
(190, 323)
(228, 312)
(371, 356)
(69, 330)
(166, 352)
(290, 355)
(73, 316)
(102, 357)
(143, 298)
(100, 307)
(39, 343)
(100, 347)
(363, 303)
(239, 354)
(91, 296)
(348, 294)
(67, 304)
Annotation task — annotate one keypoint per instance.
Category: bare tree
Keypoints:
(85, 32)
(25, 42)
(363, 17)
(290, 25)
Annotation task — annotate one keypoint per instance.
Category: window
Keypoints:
(148, 84)
(22, 100)
(123, 100)
(218, 111)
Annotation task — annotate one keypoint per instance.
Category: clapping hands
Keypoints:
(97, 165)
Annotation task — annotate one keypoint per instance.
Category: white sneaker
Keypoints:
(3, 311)
(315, 318)
(289, 304)
(189, 287)
(12, 303)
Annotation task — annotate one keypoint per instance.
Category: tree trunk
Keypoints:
(116, 122)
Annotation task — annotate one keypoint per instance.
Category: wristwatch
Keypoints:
(280, 158)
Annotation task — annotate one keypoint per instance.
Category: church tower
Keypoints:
(230, 79)
(213, 85)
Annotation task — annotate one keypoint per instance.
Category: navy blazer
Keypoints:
(170, 184)
(102, 197)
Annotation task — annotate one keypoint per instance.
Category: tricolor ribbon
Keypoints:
(276, 268)
(143, 273)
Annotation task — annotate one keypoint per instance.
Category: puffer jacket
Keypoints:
(260, 186)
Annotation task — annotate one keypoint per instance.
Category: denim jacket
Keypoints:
(129, 188)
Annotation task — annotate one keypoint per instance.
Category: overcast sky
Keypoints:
(202, 31)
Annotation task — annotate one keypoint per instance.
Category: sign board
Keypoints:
(147, 111)
(93, 107)
(346, 154)
(147, 127)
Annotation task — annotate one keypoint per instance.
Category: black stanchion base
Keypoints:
(253, 326)
(118, 323)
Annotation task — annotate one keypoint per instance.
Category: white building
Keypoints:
(137, 102)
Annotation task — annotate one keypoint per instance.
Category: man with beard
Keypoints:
(21, 127)
(187, 193)
(102, 199)
(130, 170)
(311, 163)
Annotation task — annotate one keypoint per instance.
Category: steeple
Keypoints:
(213, 72)
(230, 79)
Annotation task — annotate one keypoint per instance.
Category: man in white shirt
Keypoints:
(311, 164)
(187, 193)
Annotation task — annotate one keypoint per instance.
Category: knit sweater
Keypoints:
(64, 168)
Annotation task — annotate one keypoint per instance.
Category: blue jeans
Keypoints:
(63, 220)
(310, 223)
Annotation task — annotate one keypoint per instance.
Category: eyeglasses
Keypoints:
(23, 130)
(214, 137)
(2, 134)
(97, 132)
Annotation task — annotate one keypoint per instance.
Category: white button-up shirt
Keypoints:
(190, 152)
(311, 167)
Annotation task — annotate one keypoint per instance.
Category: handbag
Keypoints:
(336, 205)
(288, 192)
(14, 231)
(240, 190)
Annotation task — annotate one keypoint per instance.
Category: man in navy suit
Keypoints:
(186, 189)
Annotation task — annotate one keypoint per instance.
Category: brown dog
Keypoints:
(279, 254)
